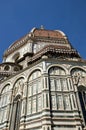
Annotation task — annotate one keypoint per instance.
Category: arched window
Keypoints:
(7, 67)
(58, 88)
(16, 105)
(82, 97)
(15, 118)
(79, 80)
(4, 102)
(34, 93)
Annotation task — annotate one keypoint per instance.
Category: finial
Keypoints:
(42, 27)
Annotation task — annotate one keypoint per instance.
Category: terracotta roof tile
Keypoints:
(47, 33)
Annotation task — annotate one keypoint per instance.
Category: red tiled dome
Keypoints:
(48, 33)
(56, 37)
(41, 33)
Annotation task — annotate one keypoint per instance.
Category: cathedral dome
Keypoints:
(38, 40)
(41, 33)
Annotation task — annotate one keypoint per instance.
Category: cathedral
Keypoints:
(42, 83)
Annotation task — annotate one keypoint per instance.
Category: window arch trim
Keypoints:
(33, 72)
(58, 66)
(76, 67)
(4, 88)
(17, 80)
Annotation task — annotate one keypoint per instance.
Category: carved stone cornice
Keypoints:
(55, 51)
(51, 40)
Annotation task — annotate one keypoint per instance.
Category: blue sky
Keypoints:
(18, 17)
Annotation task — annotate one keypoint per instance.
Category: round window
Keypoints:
(7, 67)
